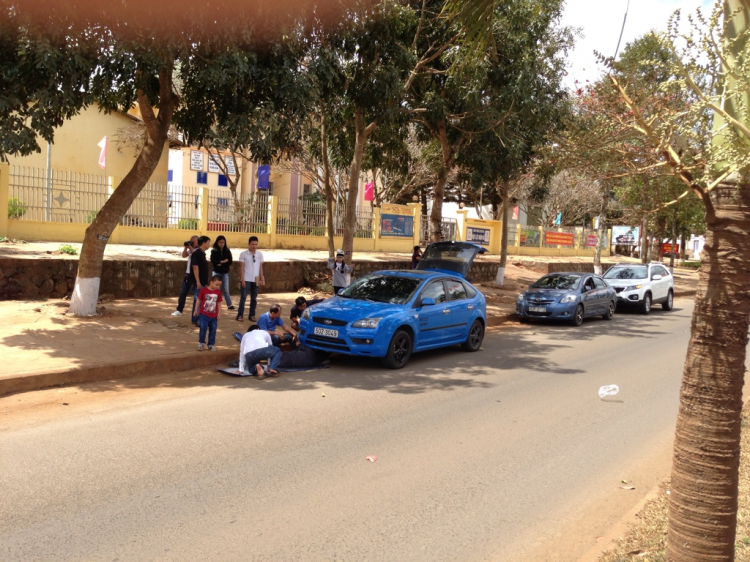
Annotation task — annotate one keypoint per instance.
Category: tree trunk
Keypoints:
(703, 499)
(500, 279)
(327, 187)
(600, 231)
(674, 242)
(438, 194)
(86, 291)
(644, 242)
(361, 134)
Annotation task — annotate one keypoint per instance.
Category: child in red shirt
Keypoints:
(207, 310)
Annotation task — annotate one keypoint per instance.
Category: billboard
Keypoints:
(553, 238)
(626, 235)
(478, 235)
(396, 220)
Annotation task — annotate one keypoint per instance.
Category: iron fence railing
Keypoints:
(362, 222)
(301, 217)
(37, 194)
(448, 227)
(244, 213)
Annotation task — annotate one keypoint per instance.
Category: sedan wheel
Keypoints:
(577, 319)
(399, 351)
(476, 335)
(610, 311)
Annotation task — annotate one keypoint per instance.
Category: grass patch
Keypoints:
(647, 538)
(67, 249)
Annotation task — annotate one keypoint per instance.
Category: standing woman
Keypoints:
(221, 259)
(341, 272)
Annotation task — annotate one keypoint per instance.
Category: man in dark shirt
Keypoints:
(300, 304)
(199, 265)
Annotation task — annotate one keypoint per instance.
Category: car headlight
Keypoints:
(306, 314)
(568, 298)
(367, 323)
(520, 298)
(632, 288)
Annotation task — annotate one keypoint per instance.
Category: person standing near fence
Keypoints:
(188, 280)
(199, 265)
(342, 273)
(252, 277)
(221, 259)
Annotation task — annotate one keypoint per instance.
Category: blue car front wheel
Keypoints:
(399, 350)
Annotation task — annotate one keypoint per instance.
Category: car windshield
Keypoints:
(632, 272)
(382, 288)
(558, 282)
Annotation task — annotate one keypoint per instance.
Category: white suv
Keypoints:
(642, 285)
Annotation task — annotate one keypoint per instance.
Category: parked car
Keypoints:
(390, 314)
(567, 296)
(642, 285)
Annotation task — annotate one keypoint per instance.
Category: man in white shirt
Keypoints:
(251, 278)
(257, 345)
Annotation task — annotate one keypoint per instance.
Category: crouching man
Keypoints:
(256, 345)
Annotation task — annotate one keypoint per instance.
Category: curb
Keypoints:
(502, 319)
(123, 370)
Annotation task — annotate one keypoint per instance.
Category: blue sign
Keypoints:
(397, 225)
(478, 235)
(264, 176)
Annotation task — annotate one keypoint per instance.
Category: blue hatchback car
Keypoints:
(390, 314)
(567, 296)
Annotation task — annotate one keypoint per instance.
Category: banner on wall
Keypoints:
(559, 238)
(478, 235)
(264, 176)
(396, 220)
(530, 237)
(666, 248)
(369, 191)
(591, 240)
(626, 235)
(196, 160)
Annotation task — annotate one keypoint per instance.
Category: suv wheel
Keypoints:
(669, 303)
(610, 311)
(399, 350)
(646, 304)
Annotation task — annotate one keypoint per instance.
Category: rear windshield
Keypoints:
(383, 288)
(558, 282)
(630, 272)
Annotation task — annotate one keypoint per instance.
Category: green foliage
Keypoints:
(16, 209)
(187, 224)
(67, 249)
(91, 216)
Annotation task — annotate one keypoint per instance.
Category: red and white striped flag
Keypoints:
(103, 154)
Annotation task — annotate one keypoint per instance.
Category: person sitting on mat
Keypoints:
(272, 320)
(256, 345)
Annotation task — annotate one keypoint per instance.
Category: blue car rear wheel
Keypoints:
(476, 335)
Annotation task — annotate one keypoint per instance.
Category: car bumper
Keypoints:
(630, 298)
(554, 311)
(350, 341)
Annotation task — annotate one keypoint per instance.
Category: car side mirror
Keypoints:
(428, 302)
(656, 277)
(340, 291)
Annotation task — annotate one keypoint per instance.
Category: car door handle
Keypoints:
(446, 311)
(471, 307)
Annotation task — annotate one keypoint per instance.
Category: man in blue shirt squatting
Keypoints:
(272, 320)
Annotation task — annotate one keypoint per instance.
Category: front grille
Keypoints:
(536, 302)
(619, 289)
(330, 343)
(329, 321)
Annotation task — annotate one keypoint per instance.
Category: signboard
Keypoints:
(591, 240)
(559, 238)
(478, 235)
(196, 160)
(666, 248)
(396, 220)
(213, 166)
(229, 161)
(530, 237)
(626, 235)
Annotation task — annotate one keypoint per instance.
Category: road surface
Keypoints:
(505, 454)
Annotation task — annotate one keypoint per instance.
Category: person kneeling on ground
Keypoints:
(255, 346)
(270, 321)
(300, 304)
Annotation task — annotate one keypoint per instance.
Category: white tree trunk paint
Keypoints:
(85, 296)
(598, 268)
(500, 279)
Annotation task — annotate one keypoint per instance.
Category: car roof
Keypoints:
(423, 274)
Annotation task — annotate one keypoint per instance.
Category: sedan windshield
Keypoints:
(632, 272)
(558, 282)
(383, 288)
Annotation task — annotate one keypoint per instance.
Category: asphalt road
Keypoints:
(506, 454)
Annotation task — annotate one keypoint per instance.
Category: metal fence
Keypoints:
(57, 196)
(247, 213)
(362, 223)
(301, 217)
(448, 228)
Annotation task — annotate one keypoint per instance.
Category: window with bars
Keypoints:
(306, 189)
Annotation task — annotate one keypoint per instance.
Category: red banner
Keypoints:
(559, 238)
(591, 240)
(666, 248)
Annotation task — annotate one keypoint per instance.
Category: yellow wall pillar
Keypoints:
(4, 198)
(376, 228)
(272, 213)
(203, 212)
(461, 224)
(417, 214)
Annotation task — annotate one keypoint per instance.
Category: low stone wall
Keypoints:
(55, 278)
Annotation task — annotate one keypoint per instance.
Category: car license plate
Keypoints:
(537, 309)
(326, 332)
